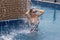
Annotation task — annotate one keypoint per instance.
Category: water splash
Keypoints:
(13, 34)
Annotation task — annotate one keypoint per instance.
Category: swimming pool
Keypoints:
(49, 25)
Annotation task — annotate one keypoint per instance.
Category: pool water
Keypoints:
(48, 28)
(49, 24)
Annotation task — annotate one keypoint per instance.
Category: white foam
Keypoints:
(25, 31)
(13, 34)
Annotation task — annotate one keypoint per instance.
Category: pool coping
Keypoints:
(50, 2)
(10, 20)
(46, 4)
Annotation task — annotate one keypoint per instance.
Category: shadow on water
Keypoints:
(54, 15)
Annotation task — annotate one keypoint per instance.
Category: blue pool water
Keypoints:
(49, 26)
